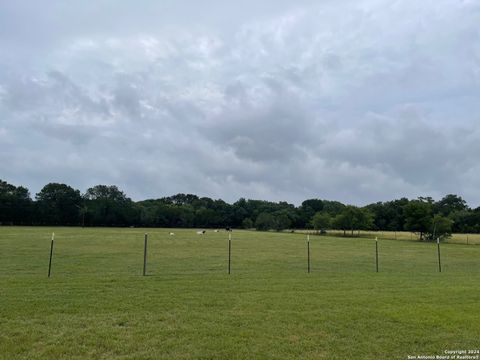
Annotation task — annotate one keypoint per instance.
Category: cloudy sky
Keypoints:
(357, 101)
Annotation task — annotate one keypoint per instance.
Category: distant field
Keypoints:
(467, 239)
(97, 305)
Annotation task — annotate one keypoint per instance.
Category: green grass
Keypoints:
(467, 239)
(97, 305)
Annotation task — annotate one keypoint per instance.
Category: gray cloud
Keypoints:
(358, 101)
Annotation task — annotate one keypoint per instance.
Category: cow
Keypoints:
(200, 232)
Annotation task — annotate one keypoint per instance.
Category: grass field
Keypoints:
(97, 305)
(467, 239)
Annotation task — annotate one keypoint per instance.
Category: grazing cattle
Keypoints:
(215, 230)
(201, 232)
(171, 234)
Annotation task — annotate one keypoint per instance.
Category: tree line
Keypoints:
(107, 205)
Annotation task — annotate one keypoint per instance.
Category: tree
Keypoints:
(83, 211)
(264, 221)
(281, 220)
(333, 208)
(183, 199)
(207, 218)
(247, 223)
(341, 222)
(353, 218)
(321, 221)
(315, 204)
(419, 217)
(182, 216)
(466, 221)
(58, 204)
(450, 204)
(107, 205)
(442, 228)
(15, 204)
(388, 215)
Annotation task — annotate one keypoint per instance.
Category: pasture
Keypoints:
(467, 239)
(97, 304)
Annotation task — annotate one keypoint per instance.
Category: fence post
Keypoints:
(308, 253)
(439, 261)
(229, 252)
(51, 254)
(145, 255)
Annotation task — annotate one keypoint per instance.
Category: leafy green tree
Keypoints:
(466, 221)
(333, 208)
(206, 218)
(353, 218)
(240, 211)
(450, 204)
(59, 204)
(224, 213)
(183, 199)
(162, 215)
(247, 223)
(307, 210)
(388, 215)
(147, 214)
(321, 221)
(474, 220)
(15, 204)
(341, 222)
(182, 216)
(315, 205)
(419, 217)
(107, 205)
(442, 228)
(281, 220)
(264, 221)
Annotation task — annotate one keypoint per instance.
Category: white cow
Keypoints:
(200, 232)
(172, 234)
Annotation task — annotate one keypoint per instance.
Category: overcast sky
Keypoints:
(357, 101)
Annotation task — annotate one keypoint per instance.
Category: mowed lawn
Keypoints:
(97, 304)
